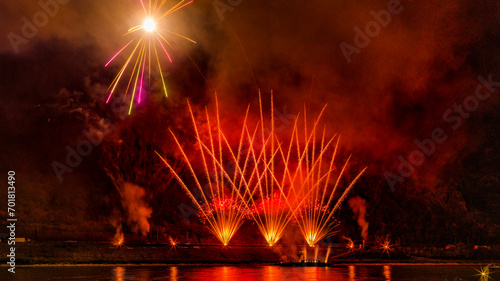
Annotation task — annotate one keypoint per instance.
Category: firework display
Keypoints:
(271, 181)
(250, 140)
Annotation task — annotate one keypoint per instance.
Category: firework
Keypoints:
(119, 238)
(328, 252)
(311, 181)
(172, 241)
(219, 201)
(386, 246)
(272, 205)
(272, 182)
(292, 181)
(149, 41)
(484, 273)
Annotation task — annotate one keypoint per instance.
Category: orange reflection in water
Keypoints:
(270, 273)
(277, 273)
(352, 273)
(387, 272)
(173, 273)
(118, 273)
(228, 273)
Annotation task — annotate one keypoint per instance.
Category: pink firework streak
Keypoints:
(147, 36)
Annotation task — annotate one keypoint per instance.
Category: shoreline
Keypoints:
(104, 254)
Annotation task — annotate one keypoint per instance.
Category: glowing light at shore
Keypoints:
(119, 238)
(386, 247)
(484, 273)
(148, 42)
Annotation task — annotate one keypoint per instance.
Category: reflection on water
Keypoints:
(118, 273)
(387, 272)
(352, 273)
(249, 273)
(173, 273)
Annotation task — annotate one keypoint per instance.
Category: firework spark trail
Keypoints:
(147, 36)
(270, 209)
(314, 216)
(223, 211)
(245, 182)
(273, 183)
(306, 184)
(271, 215)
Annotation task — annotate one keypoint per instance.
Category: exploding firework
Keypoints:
(350, 245)
(484, 273)
(149, 40)
(173, 243)
(219, 201)
(386, 246)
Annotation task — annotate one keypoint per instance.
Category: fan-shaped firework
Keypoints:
(294, 173)
(275, 203)
(219, 201)
(149, 40)
(315, 215)
(270, 182)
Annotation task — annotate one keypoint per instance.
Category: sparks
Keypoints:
(119, 238)
(311, 180)
(484, 273)
(288, 181)
(271, 182)
(148, 42)
(274, 208)
(386, 246)
(221, 210)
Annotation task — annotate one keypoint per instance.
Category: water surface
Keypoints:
(244, 273)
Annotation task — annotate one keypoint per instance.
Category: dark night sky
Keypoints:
(396, 90)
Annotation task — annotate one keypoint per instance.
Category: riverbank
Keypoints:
(81, 253)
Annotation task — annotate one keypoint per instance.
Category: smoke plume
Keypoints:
(138, 211)
(358, 206)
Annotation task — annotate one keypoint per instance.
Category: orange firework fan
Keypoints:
(311, 180)
(219, 201)
(271, 182)
(271, 168)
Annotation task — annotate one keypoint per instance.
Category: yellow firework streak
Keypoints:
(148, 42)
